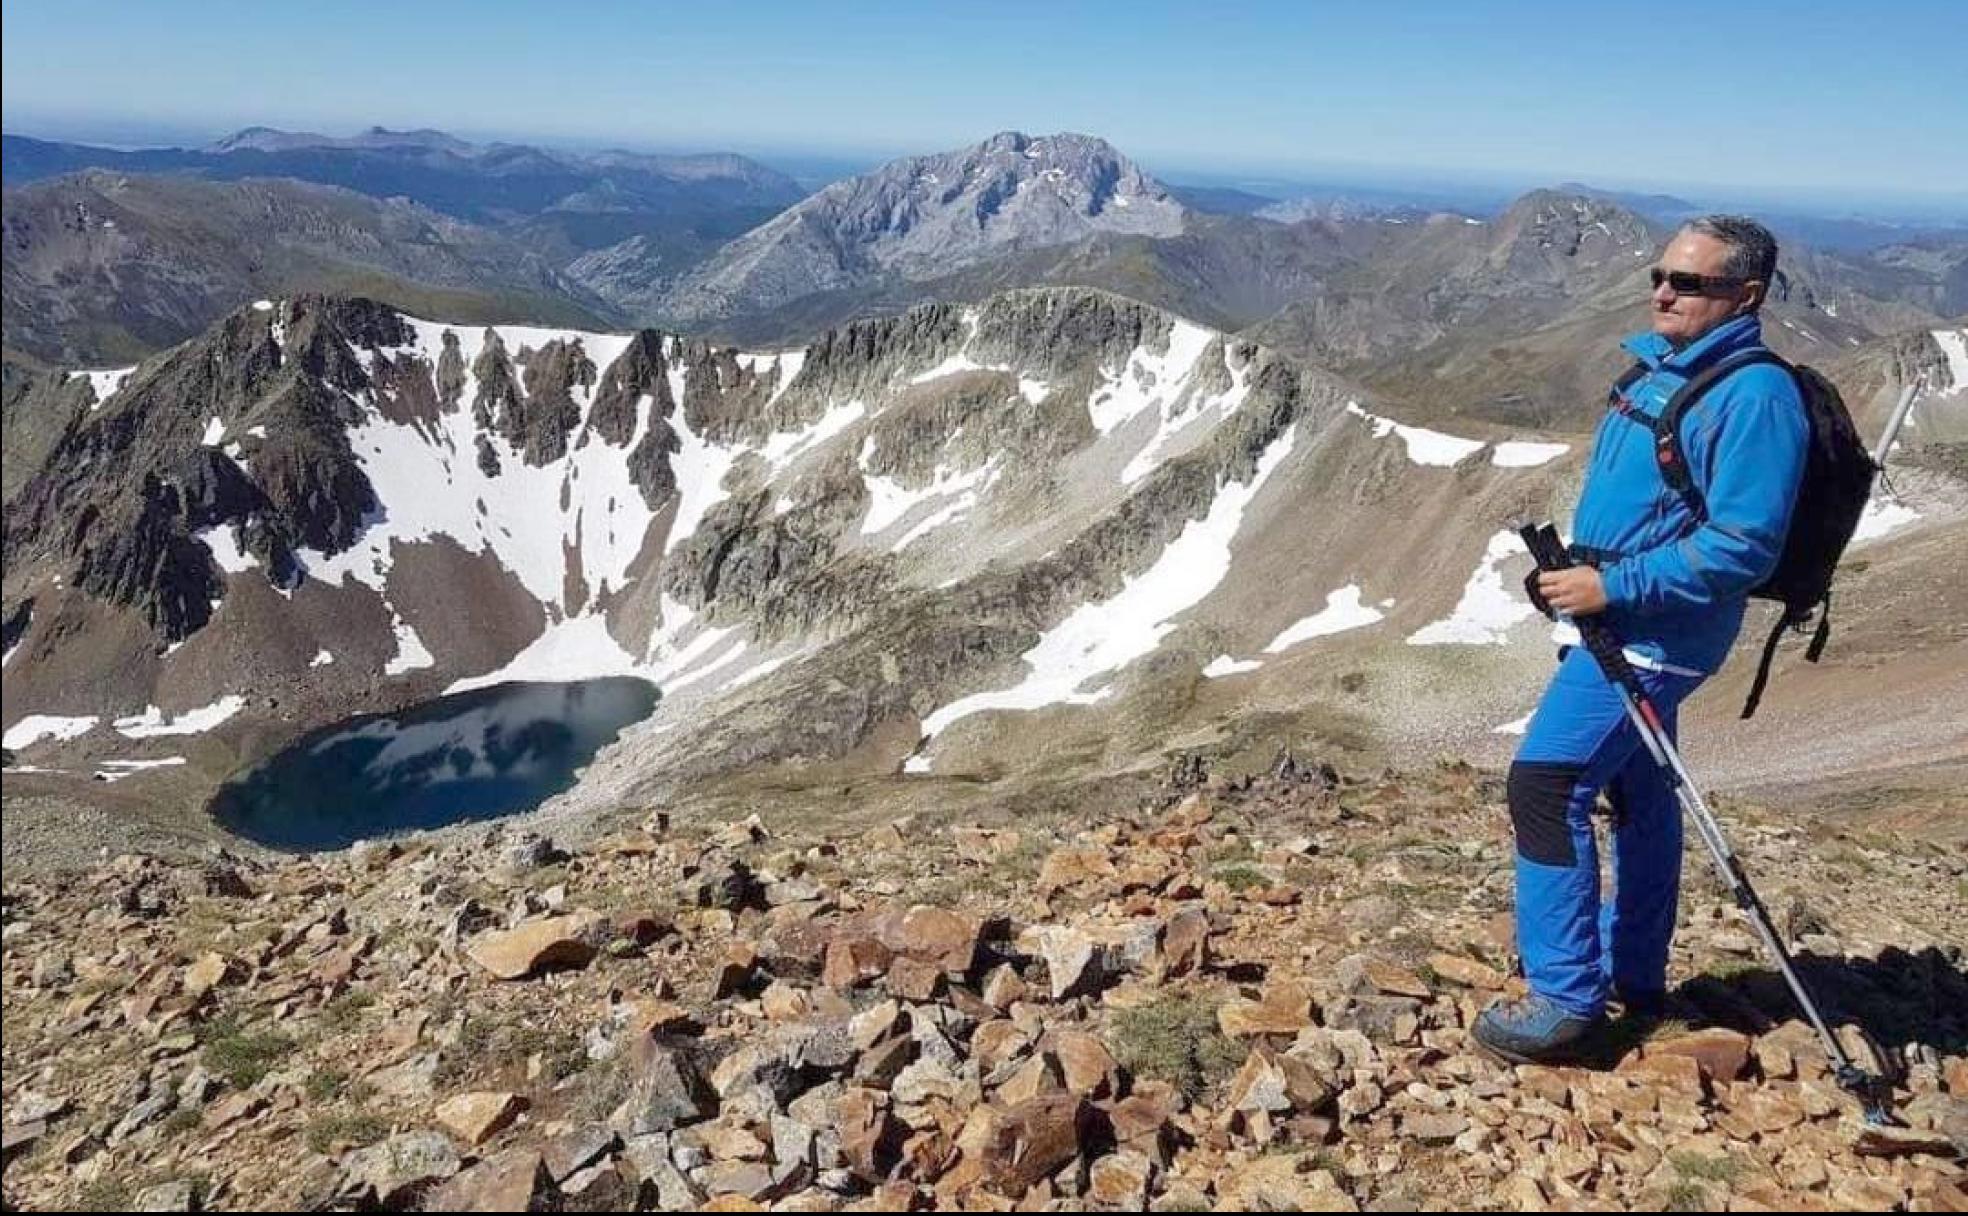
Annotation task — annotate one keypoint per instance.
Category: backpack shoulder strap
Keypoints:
(1669, 455)
(1628, 377)
(1616, 397)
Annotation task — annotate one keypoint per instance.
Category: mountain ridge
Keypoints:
(951, 537)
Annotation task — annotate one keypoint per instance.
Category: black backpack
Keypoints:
(1837, 481)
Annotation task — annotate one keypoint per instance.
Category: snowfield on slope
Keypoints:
(1101, 637)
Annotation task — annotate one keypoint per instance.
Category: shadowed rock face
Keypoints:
(124, 488)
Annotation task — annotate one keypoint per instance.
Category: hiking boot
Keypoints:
(1531, 1031)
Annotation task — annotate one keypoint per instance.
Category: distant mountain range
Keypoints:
(1510, 314)
(547, 206)
(107, 267)
(483, 183)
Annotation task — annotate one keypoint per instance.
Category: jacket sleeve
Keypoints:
(1746, 443)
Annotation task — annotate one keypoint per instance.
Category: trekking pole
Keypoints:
(1599, 640)
(1893, 424)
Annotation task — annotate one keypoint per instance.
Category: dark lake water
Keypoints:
(475, 755)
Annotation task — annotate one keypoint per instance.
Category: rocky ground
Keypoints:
(1251, 994)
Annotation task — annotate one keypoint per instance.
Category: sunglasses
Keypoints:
(1688, 283)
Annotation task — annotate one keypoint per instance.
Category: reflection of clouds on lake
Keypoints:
(470, 756)
(516, 735)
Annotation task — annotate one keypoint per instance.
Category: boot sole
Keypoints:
(1573, 1053)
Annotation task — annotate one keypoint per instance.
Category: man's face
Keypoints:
(1681, 318)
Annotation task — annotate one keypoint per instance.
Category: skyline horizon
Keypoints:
(126, 132)
(1842, 108)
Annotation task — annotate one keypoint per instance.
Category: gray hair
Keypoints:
(1752, 250)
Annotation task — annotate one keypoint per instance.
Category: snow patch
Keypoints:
(889, 501)
(1424, 446)
(724, 658)
(116, 770)
(759, 671)
(782, 446)
(153, 722)
(1343, 611)
(1180, 413)
(430, 485)
(1487, 610)
(411, 654)
(214, 431)
(104, 384)
(1031, 389)
(36, 727)
(936, 519)
(1099, 638)
(321, 659)
(577, 649)
(1524, 455)
(1883, 515)
(1223, 665)
(1148, 379)
(224, 544)
(1516, 726)
(1954, 345)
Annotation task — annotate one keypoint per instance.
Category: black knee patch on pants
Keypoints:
(1540, 796)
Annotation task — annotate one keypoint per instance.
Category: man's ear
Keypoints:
(1754, 293)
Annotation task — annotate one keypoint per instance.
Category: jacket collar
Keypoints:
(1735, 334)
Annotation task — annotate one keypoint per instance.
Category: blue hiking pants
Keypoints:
(1576, 947)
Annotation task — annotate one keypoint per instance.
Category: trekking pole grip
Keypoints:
(1550, 554)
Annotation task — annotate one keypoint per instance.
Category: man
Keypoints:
(1673, 585)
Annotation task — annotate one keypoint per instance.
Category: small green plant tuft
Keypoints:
(1175, 1040)
(241, 1056)
(325, 1084)
(1241, 878)
(1706, 1168)
(342, 1013)
(330, 1132)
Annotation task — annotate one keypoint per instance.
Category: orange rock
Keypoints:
(512, 954)
(1677, 1072)
(1030, 1140)
(1003, 987)
(1285, 1009)
(867, 1134)
(1120, 1181)
(1036, 1077)
(933, 935)
(477, 1117)
(1722, 1054)
(854, 960)
(1185, 943)
(1085, 1065)
(1072, 866)
(1466, 971)
(915, 980)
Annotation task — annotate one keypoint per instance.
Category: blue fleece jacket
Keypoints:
(1679, 591)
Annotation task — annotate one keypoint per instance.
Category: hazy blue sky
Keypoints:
(1863, 100)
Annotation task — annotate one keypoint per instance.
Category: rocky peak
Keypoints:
(923, 217)
(1549, 226)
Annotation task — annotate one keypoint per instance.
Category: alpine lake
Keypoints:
(461, 758)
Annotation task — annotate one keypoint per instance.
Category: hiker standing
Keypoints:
(1670, 572)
